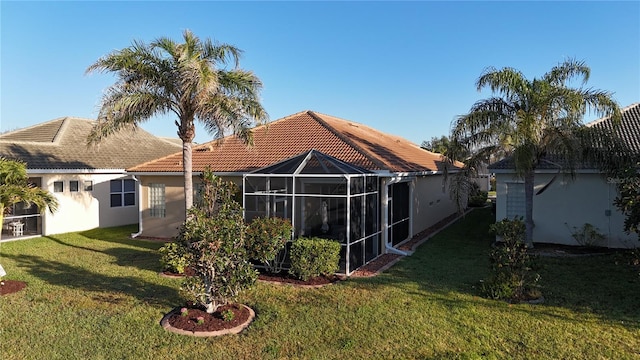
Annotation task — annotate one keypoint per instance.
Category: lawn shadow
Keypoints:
(456, 260)
(75, 277)
(146, 259)
(121, 235)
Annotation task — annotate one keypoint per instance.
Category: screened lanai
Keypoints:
(322, 197)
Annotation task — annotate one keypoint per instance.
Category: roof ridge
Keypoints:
(265, 125)
(61, 130)
(345, 139)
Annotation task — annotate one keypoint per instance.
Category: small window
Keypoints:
(73, 185)
(515, 200)
(58, 186)
(198, 190)
(157, 203)
(88, 185)
(123, 192)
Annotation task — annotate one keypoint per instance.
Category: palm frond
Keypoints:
(563, 72)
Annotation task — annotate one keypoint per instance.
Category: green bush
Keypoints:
(477, 197)
(174, 257)
(511, 277)
(214, 234)
(312, 257)
(588, 235)
(266, 239)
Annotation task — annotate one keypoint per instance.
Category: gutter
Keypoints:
(135, 235)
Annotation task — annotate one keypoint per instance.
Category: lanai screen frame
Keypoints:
(361, 188)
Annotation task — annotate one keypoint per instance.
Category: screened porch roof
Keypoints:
(312, 162)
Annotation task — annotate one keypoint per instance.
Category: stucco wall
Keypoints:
(167, 226)
(430, 203)
(84, 210)
(566, 204)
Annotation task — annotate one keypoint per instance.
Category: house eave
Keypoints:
(180, 173)
(546, 171)
(76, 171)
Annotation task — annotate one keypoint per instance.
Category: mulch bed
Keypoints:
(11, 286)
(378, 264)
(286, 278)
(210, 322)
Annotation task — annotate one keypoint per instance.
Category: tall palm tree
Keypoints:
(531, 119)
(15, 188)
(189, 80)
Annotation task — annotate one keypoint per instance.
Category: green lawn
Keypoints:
(97, 295)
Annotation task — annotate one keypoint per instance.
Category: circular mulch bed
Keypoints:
(198, 322)
(11, 286)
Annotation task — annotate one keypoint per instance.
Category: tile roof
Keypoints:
(354, 143)
(61, 144)
(628, 130)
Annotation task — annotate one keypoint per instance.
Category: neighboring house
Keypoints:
(567, 204)
(90, 182)
(332, 177)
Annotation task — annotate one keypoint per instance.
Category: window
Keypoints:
(515, 200)
(88, 185)
(157, 203)
(198, 189)
(73, 185)
(123, 192)
(58, 186)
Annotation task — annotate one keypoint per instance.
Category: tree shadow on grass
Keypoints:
(456, 260)
(75, 277)
(146, 259)
(121, 235)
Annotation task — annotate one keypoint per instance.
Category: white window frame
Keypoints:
(61, 188)
(122, 192)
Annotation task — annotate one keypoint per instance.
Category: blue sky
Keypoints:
(405, 68)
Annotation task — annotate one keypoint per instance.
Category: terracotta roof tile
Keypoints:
(348, 141)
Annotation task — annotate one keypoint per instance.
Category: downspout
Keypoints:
(135, 235)
(392, 250)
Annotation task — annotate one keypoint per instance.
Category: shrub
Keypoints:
(266, 239)
(477, 197)
(214, 234)
(588, 235)
(312, 257)
(175, 257)
(511, 276)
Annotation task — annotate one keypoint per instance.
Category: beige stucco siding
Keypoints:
(430, 203)
(566, 204)
(84, 210)
(167, 227)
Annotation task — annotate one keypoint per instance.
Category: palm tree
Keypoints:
(15, 188)
(531, 119)
(189, 80)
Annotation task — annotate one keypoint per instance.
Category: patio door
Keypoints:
(399, 217)
(23, 220)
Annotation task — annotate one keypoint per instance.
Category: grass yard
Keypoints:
(97, 295)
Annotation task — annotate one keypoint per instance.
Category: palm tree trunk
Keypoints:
(528, 208)
(1, 219)
(188, 178)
